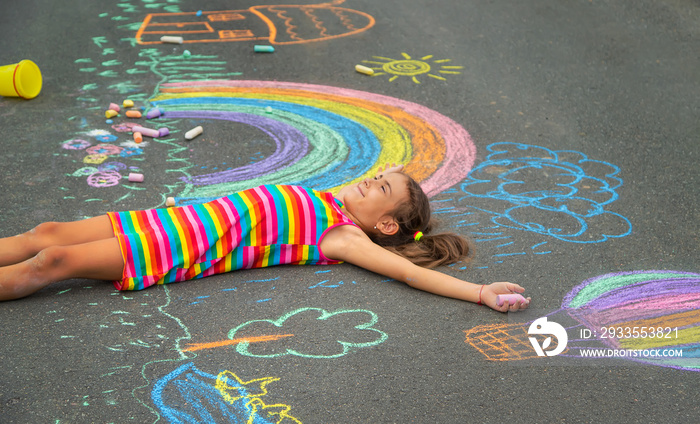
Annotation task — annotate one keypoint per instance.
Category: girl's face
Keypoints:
(369, 202)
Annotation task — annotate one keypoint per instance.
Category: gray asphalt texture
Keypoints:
(613, 81)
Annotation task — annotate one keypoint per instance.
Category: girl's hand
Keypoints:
(489, 293)
(389, 168)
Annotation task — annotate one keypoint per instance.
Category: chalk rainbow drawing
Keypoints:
(301, 24)
(656, 299)
(325, 136)
(189, 395)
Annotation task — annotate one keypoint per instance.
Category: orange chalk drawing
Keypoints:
(284, 24)
(501, 342)
(200, 346)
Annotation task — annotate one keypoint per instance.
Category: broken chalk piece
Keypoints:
(109, 122)
(170, 201)
(111, 113)
(510, 298)
(364, 70)
(138, 137)
(162, 132)
(114, 106)
(133, 114)
(135, 178)
(154, 113)
(268, 109)
(171, 39)
(128, 103)
(263, 49)
(146, 131)
(194, 132)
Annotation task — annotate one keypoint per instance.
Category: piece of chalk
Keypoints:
(194, 132)
(263, 49)
(268, 109)
(186, 54)
(162, 132)
(109, 122)
(149, 132)
(133, 114)
(138, 137)
(135, 178)
(170, 201)
(114, 106)
(154, 113)
(111, 113)
(364, 70)
(171, 39)
(510, 298)
(128, 103)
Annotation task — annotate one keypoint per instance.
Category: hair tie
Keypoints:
(417, 236)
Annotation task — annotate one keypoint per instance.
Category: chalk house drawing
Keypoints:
(283, 24)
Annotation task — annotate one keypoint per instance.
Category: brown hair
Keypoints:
(431, 250)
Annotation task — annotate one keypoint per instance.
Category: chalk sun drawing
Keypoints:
(325, 136)
(641, 300)
(560, 194)
(413, 68)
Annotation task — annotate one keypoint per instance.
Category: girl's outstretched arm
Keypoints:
(351, 245)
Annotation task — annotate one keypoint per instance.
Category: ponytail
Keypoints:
(431, 250)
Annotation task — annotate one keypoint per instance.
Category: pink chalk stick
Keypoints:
(510, 298)
(135, 178)
(115, 107)
(146, 131)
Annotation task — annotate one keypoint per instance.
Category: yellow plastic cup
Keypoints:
(21, 79)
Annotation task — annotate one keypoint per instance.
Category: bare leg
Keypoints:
(99, 260)
(16, 249)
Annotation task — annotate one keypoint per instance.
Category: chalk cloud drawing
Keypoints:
(409, 67)
(305, 332)
(283, 24)
(325, 136)
(637, 299)
(189, 395)
(559, 194)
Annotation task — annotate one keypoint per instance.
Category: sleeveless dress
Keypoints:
(259, 227)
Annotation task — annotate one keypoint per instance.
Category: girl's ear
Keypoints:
(388, 226)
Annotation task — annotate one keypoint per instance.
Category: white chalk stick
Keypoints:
(194, 132)
(171, 39)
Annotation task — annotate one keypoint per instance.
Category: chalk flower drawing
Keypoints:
(561, 194)
(410, 67)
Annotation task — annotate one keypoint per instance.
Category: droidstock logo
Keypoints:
(547, 328)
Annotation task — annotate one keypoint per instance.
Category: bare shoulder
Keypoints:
(337, 240)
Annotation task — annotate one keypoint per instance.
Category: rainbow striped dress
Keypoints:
(259, 227)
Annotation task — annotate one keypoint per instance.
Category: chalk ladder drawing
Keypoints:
(190, 395)
(313, 333)
(283, 24)
(625, 300)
